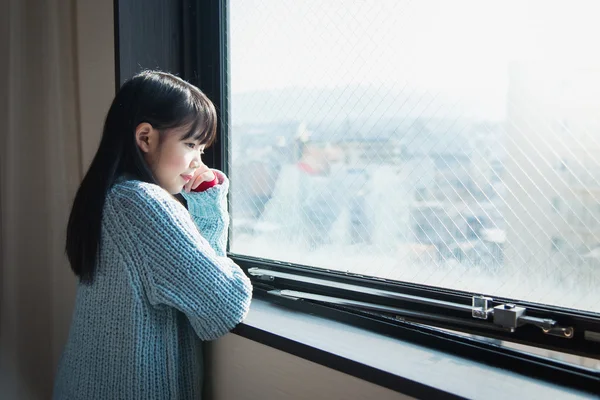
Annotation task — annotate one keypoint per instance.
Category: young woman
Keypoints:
(154, 279)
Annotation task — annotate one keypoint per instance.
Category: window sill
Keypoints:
(408, 368)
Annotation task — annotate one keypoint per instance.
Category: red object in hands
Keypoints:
(206, 185)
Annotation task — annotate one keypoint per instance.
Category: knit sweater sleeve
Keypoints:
(178, 267)
(209, 212)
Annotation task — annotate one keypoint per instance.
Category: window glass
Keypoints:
(446, 143)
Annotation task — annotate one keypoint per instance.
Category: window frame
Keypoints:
(211, 60)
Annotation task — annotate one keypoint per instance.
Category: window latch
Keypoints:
(510, 316)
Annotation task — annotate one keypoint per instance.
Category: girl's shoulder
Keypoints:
(138, 196)
(135, 188)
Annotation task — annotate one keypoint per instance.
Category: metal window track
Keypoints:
(504, 316)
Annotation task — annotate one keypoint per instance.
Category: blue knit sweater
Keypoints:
(162, 286)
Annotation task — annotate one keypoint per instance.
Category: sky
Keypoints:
(440, 46)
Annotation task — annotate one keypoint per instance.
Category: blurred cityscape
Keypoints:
(507, 207)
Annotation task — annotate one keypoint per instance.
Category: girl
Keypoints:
(153, 276)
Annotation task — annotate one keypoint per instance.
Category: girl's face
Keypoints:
(173, 161)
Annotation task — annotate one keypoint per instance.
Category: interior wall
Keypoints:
(241, 369)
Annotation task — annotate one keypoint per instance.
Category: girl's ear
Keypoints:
(146, 137)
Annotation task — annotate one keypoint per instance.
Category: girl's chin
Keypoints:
(174, 189)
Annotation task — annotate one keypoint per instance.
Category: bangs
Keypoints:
(203, 119)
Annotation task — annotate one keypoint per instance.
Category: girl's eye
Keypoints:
(195, 146)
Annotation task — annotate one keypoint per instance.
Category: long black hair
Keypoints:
(158, 98)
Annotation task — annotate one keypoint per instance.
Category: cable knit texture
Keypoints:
(162, 281)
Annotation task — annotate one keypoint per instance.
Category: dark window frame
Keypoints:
(197, 30)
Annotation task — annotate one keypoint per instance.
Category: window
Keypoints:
(556, 204)
(383, 138)
(556, 244)
(380, 151)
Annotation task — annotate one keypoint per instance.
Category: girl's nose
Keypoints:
(196, 163)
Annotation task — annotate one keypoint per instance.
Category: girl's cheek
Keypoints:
(182, 159)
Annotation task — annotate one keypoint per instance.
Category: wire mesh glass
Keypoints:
(446, 143)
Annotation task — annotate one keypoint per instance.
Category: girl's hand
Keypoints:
(202, 174)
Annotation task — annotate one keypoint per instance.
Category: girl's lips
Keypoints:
(187, 178)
